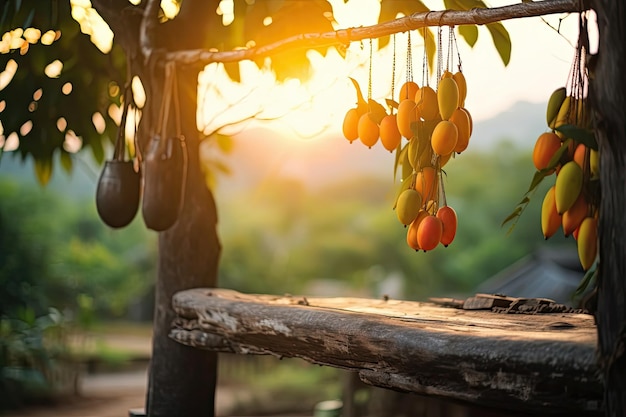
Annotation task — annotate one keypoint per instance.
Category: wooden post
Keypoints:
(182, 379)
(608, 92)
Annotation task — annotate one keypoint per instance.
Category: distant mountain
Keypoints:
(520, 124)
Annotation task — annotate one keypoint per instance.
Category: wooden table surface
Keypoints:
(526, 362)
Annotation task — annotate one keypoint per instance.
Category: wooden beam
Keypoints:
(533, 363)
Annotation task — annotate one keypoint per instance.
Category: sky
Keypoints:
(540, 62)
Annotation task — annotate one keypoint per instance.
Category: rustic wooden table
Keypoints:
(526, 362)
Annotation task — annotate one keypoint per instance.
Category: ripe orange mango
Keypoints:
(368, 130)
(579, 155)
(429, 233)
(408, 113)
(444, 137)
(408, 90)
(350, 125)
(449, 222)
(389, 134)
(462, 84)
(426, 183)
(426, 99)
(461, 120)
(411, 233)
(573, 217)
(545, 147)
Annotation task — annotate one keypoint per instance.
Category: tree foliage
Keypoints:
(61, 80)
(56, 250)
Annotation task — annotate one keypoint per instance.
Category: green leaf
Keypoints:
(579, 134)
(516, 213)
(407, 169)
(469, 33)
(396, 161)
(389, 9)
(537, 178)
(97, 151)
(501, 40)
(66, 162)
(43, 170)
(406, 184)
(556, 158)
(589, 276)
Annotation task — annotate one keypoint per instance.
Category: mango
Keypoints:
(444, 138)
(429, 233)
(449, 222)
(408, 206)
(408, 113)
(568, 186)
(587, 242)
(447, 97)
(350, 125)
(368, 130)
(389, 133)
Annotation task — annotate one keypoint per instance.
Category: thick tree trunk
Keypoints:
(608, 92)
(182, 379)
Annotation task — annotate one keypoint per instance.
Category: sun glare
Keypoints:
(92, 24)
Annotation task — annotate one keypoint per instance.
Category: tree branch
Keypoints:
(147, 31)
(412, 22)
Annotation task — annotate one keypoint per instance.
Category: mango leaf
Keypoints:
(584, 283)
(469, 33)
(66, 162)
(406, 184)
(579, 134)
(501, 40)
(43, 170)
(97, 150)
(376, 111)
(396, 161)
(390, 9)
(391, 103)
(515, 214)
(361, 104)
(537, 178)
(556, 158)
(407, 169)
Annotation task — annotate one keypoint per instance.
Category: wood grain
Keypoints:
(542, 362)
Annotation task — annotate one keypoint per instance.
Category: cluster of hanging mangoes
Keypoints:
(435, 126)
(569, 151)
